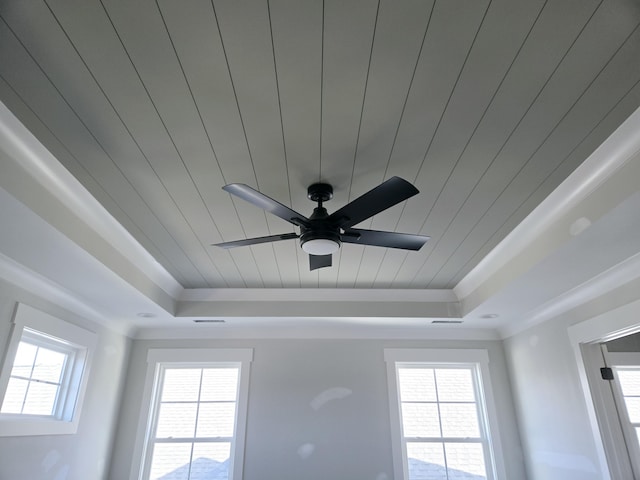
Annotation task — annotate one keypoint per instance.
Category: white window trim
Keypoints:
(159, 357)
(84, 341)
(395, 357)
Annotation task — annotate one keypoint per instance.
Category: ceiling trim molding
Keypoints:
(616, 276)
(315, 295)
(349, 332)
(311, 303)
(21, 147)
(20, 276)
(622, 146)
(319, 308)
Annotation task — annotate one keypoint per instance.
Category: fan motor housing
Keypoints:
(308, 234)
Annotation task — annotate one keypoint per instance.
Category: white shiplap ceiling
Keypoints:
(486, 106)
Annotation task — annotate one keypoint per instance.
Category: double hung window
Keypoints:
(38, 377)
(439, 413)
(198, 406)
(44, 375)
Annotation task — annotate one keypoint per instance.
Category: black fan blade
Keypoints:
(319, 261)
(260, 200)
(255, 241)
(406, 241)
(384, 196)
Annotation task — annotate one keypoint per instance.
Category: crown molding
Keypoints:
(615, 277)
(621, 147)
(20, 147)
(20, 276)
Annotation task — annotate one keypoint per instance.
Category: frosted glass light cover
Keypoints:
(320, 246)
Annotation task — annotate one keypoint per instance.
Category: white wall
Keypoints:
(554, 426)
(556, 432)
(85, 455)
(347, 438)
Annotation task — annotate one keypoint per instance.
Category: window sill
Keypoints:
(18, 426)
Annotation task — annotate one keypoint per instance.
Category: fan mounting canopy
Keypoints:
(320, 192)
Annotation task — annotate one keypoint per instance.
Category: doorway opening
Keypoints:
(607, 353)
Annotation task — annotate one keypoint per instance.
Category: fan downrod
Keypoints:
(320, 192)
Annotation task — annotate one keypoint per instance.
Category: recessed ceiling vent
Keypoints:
(209, 320)
(446, 321)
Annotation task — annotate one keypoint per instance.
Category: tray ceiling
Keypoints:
(485, 106)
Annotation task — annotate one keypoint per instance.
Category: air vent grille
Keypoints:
(209, 320)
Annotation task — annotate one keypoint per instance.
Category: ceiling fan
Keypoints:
(322, 233)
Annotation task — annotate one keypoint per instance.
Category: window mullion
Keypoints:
(33, 366)
(195, 427)
(33, 380)
(444, 450)
(445, 439)
(193, 440)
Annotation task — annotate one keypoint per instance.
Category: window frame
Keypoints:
(625, 361)
(42, 329)
(158, 360)
(478, 359)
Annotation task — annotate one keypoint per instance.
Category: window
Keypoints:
(629, 380)
(626, 394)
(439, 415)
(37, 378)
(196, 427)
(44, 375)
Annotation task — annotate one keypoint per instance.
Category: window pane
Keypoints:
(459, 420)
(181, 385)
(25, 357)
(219, 384)
(14, 397)
(633, 408)
(455, 385)
(420, 420)
(41, 399)
(170, 461)
(210, 461)
(465, 461)
(49, 365)
(629, 381)
(426, 461)
(176, 420)
(216, 419)
(417, 385)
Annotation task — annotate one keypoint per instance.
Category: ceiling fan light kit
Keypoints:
(320, 246)
(322, 233)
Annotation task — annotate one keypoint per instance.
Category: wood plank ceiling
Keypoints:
(486, 106)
